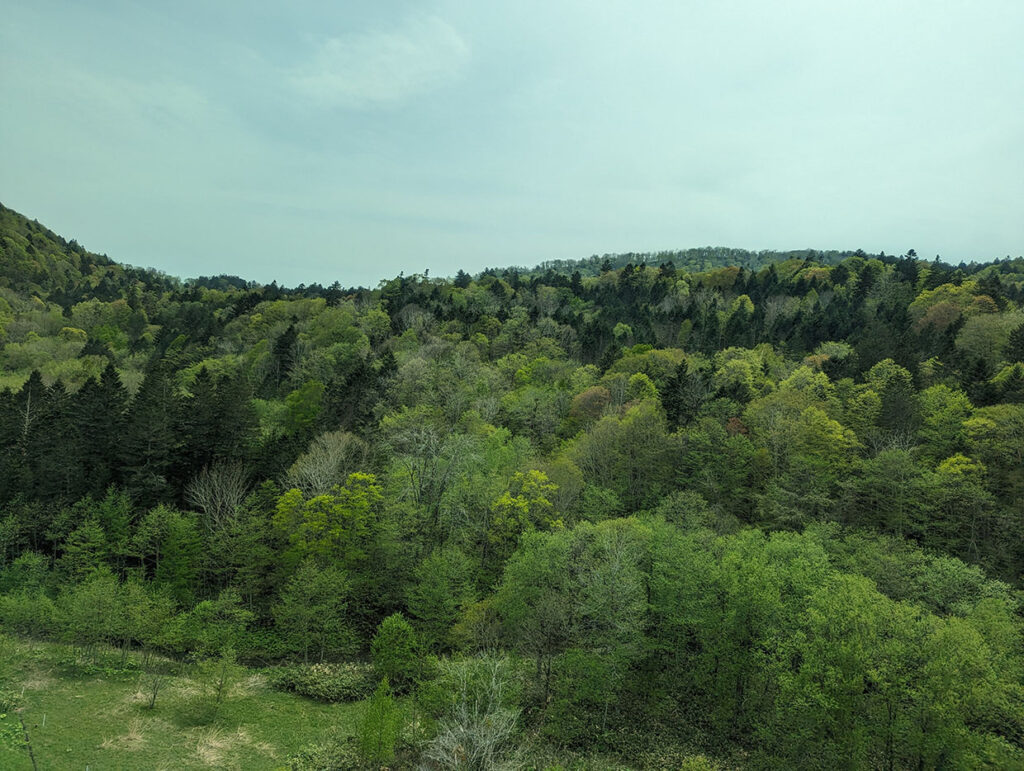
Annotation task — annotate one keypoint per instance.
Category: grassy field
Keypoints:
(91, 712)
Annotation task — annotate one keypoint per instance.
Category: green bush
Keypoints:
(263, 645)
(9, 701)
(380, 728)
(350, 681)
(396, 653)
(583, 693)
(29, 613)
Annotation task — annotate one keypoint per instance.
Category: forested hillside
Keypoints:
(748, 510)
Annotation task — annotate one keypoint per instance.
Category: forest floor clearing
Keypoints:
(93, 712)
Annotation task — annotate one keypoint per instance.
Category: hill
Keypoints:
(765, 513)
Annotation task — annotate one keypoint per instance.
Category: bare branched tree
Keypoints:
(476, 734)
(328, 461)
(431, 462)
(880, 440)
(218, 490)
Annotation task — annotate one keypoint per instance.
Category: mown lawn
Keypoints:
(92, 713)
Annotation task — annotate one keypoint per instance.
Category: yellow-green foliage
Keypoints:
(332, 526)
(943, 305)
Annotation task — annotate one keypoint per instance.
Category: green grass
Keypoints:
(79, 713)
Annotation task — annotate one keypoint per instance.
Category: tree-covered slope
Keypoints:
(35, 260)
(768, 512)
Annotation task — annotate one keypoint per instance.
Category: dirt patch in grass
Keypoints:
(136, 698)
(255, 683)
(183, 689)
(133, 740)
(219, 748)
(38, 682)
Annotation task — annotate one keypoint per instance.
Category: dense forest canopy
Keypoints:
(761, 507)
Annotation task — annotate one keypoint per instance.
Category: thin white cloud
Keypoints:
(382, 68)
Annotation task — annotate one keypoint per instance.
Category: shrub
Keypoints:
(325, 682)
(380, 727)
(395, 651)
(29, 613)
(9, 701)
(583, 689)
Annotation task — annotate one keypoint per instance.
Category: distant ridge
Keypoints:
(34, 260)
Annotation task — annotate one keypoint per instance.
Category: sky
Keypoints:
(319, 141)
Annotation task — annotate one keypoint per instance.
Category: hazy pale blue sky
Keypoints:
(313, 141)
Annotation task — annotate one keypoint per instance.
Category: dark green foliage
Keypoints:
(1014, 350)
(685, 393)
(29, 572)
(99, 408)
(181, 551)
(580, 692)
(150, 443)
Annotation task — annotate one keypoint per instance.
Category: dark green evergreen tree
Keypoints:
(99, 411)
(198, 428)
(150, 443)
(1014, 350)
